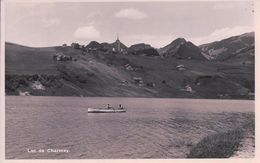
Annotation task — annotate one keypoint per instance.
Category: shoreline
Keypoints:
(140, 97)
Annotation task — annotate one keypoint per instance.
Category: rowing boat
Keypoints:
(106, 110)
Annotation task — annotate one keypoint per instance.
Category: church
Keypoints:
(119, 47)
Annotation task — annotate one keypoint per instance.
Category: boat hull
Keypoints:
(94, 110)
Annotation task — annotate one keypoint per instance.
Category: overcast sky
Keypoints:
(155, 23)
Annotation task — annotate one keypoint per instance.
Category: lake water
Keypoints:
(151, 127)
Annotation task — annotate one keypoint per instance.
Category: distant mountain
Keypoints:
(241, 46)
(94, 45)
(182, 49)
(143, 50)
(173, 45)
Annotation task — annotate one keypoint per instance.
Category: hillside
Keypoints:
(24, 60)
(66, 71)
(239, 47)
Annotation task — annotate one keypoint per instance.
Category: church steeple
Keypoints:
(118, 43)
(117, 37)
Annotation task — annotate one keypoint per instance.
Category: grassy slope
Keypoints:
(25, 60)
(225, 144)
(102, 75)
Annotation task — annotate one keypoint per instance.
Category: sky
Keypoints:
(154, 23)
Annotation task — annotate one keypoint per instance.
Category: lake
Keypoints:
(60, 127)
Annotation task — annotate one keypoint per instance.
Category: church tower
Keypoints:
(118, 43)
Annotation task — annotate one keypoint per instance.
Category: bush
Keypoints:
(23, 82)
(13, 82)
(11, 86)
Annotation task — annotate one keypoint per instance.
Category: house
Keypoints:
(138, 80)
(61, 57)
(180, 68)
(188, 88)
(57, 57)
(150, 84)
(129, 67)
(124, 82)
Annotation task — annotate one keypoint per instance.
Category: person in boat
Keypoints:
(108, 106)
(120, 106)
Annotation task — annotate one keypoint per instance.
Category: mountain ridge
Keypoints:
(223, 49)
